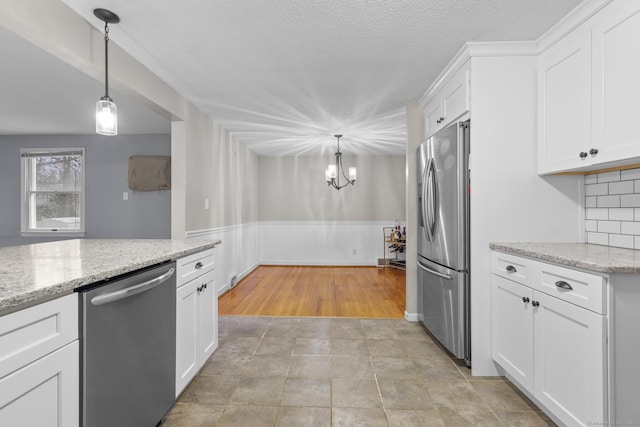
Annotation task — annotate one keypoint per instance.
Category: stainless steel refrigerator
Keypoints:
(443, 238)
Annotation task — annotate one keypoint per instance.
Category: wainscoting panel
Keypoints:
(237, 255)
(321, 243)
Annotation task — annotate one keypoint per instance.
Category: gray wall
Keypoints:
(294, 189)
(144, 215)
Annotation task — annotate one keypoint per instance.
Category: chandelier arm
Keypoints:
(344, 175)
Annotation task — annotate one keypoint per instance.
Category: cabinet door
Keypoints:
(45, 393)
(455, 97)
(432, 115)
(569, 356)
(186, 329)
(512, 344)
(616, 80)
(207, 322)
(564, 106)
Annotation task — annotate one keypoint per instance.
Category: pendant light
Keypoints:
(333, 172)
(106, 110)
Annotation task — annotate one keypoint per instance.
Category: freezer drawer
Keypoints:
(442, 299)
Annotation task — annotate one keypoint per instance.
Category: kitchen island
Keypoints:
(31, 274)
(52, 341)
(564, 328)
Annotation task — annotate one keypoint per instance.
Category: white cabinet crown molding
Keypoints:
(570, 22)
(477, 49)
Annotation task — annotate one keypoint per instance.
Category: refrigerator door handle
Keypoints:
(432, 208)
(435, 273)
(423, 204)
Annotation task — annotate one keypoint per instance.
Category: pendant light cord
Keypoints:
(106, 60)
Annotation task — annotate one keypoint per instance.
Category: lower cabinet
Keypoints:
(39, 365)
(196, 327)
(569, 361)
(44, 393)
(553, 349)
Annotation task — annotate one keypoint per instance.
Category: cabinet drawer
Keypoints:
(194, 265)
(29, 334)
(582, 289)
(511, 267)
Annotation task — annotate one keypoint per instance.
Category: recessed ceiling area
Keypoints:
(42, 95)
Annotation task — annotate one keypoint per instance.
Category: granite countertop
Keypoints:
(603, 259)
(31, 274)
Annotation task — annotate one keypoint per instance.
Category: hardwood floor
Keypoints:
(364, 292)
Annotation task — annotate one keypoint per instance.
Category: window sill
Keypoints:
(52, 234)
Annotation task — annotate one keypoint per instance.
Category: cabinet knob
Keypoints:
(535, 303)
(525, 299)
(563, 285)
(593, 151)
(198, 265)
(511, 269)
(583, 154)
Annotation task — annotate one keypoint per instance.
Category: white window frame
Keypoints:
(26, 182)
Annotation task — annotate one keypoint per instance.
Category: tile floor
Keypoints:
(278, 371)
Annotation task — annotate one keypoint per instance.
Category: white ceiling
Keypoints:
(285, 75)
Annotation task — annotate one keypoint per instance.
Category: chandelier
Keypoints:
(333, 172)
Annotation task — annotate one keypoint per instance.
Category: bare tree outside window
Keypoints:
(53, 190)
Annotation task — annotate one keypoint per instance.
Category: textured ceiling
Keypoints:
(283, 76)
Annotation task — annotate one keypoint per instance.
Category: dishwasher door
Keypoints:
(128, 349)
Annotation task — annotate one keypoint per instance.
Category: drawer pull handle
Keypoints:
(199, 265)
(511, 269)
(525, 299)
(564, 285)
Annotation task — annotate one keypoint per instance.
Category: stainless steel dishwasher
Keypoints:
(129, 349)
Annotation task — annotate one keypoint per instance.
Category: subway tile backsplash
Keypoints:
(612, 206)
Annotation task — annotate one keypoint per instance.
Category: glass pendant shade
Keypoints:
(331, 172)
(106, 117)
(352, 174)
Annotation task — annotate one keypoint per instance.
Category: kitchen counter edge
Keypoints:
(596, 258)
(17, 300)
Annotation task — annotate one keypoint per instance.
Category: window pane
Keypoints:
(59, 211)
(58, 173)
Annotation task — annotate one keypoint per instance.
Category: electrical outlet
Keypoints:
(125, 196)
(206, 203)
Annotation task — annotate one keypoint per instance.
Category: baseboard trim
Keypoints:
(411, 317)
(327, 263)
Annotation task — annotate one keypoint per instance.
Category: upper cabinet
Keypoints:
(587, 86)
(616, 83)
(564, 106)
(447, 103)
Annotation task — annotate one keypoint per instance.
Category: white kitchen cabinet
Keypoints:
(43, 393)
(196, 317)
(39, 365)
(564, 106)
(553, 349)
(569, 360)
(448, 103)
(513, 329)
(587, 92)
(616, 85)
